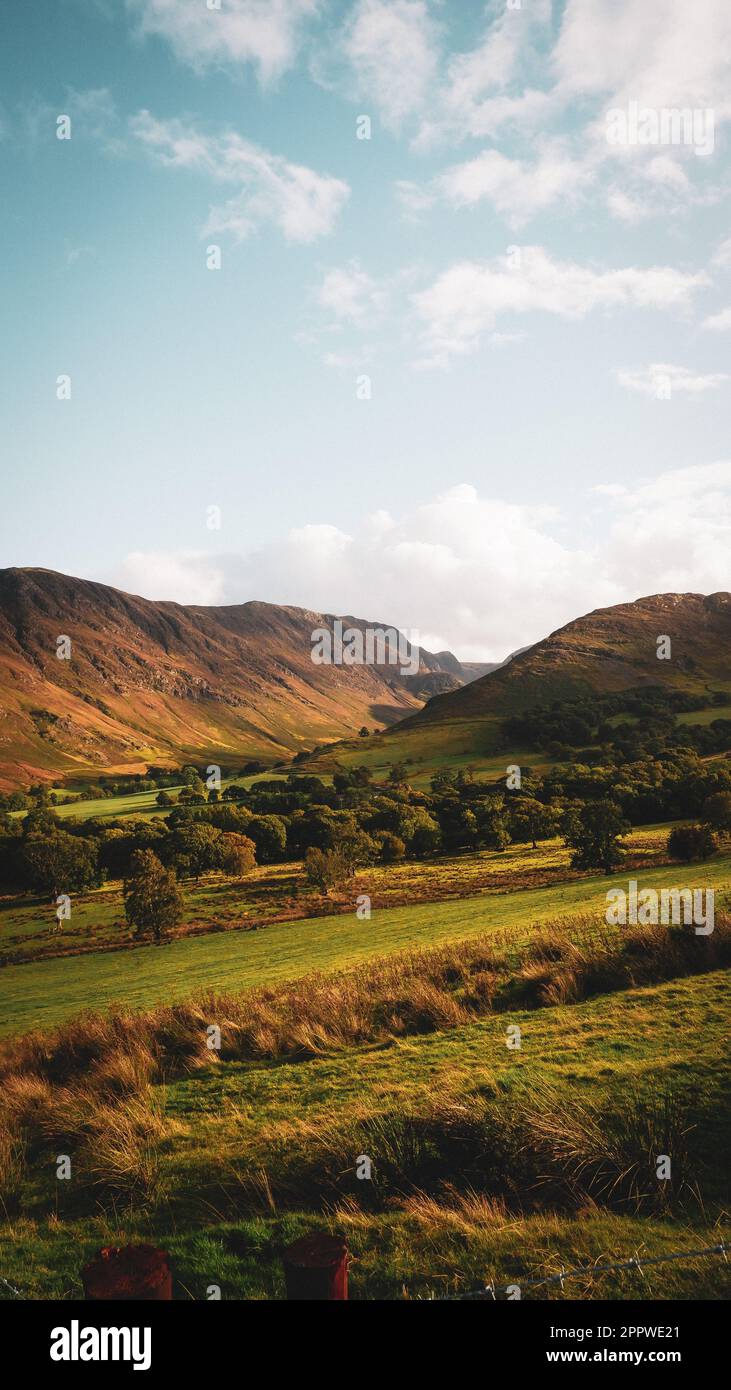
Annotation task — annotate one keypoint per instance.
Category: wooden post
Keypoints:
(128, 1272)
(316, 1267)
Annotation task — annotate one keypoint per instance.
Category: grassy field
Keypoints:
(489, 1164)
(136, 803)
(43, 993)
(239, 1145)
(460, 744)
(29, 929)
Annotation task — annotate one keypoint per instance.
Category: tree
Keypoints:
(355, 849)
(689, 842)
(425, 837)
(153, 902)
(59, 863)
(531, 820)
(457, 823)
(269, 834)
(194, 848)
(364, 732)
(164, 799)
(717, 811)
(40, 821)
(592, 833)
(492, 824)
(238, 855)
(325, 869)
(193, 795)
(9, 825)
(392, 848)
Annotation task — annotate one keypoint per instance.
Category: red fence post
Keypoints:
(128, 1272)
(316, 1267)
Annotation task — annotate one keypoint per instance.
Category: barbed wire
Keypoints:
(491, 1290)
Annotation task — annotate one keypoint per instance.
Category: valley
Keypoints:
(402, 940)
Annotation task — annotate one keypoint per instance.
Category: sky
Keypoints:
(412, 309)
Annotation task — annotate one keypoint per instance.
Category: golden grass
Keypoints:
(88, 1088)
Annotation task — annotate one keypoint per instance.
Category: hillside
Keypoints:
(152, 682)
(609, 650)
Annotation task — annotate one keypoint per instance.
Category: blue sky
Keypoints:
(470, 375)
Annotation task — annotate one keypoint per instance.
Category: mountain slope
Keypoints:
(162, 682)
(610, 649)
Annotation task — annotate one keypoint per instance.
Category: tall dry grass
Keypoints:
(537, 1147)
(90, 1084)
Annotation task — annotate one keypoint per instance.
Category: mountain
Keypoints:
(611, 649)
(165, 682)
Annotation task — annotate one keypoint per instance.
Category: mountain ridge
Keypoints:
(157, 681)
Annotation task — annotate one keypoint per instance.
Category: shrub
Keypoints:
(392, 848)
(691, 842)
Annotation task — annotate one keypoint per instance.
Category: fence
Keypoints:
(492, 1290)
(317, 1268)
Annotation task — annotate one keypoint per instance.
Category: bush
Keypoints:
(691, 842)
(392, 848)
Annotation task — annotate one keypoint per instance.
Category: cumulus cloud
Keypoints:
(518, 82)
(670, 55)
(431, 570)
(673, 533)
(350, 295)
(468, 298)
(391, 49)
(518, 189)
(302, 203)
(265, 33)
(719, 322)
(488, 87)
(186, 577)
(663, 379)
(722, 254)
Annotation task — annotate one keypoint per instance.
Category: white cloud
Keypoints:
(187, 577)
(430, 570)
(663, 379)
(720, 322)
(722, 254)
(518, 189)
(351, 295)
(673, 533)
(608, 53)
(391, 48)
(468, 298)
(475, 99)
(669, 55)
(302, 203)
(265, 33)
(626, 208)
